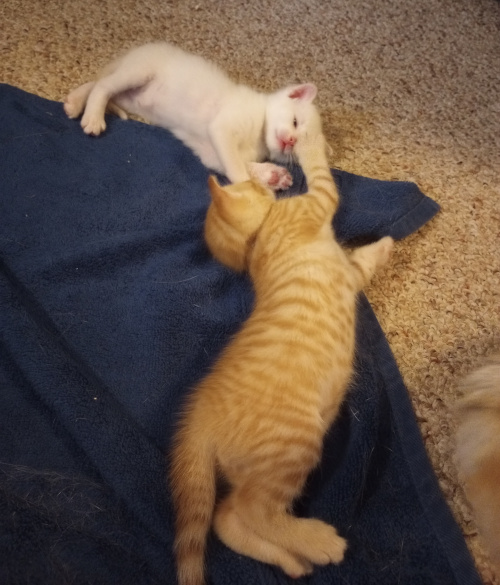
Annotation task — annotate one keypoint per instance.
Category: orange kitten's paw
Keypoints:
(331, 549)
(324, 545)
(93, 125)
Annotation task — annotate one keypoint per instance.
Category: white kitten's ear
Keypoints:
(306, 92)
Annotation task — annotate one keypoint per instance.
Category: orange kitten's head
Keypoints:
(233, 218)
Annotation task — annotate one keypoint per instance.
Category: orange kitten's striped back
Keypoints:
(259, 418)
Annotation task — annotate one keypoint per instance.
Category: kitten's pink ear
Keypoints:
(306, 92)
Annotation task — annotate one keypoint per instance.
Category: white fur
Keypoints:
(231, 127)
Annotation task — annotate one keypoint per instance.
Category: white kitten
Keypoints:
(231, 127)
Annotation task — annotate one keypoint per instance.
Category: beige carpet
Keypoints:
(409, 91)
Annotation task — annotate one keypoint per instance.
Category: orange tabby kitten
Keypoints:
(478, 450)
(258, 419)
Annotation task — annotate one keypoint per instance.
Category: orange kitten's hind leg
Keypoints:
(309, 538)
(235, 534)
(304, 538)
(76, 100)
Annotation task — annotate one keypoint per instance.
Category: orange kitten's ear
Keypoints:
(213, 185)
(216, 191)
(306, 92)
(231, 191)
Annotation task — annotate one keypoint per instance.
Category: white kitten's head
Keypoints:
(290, 113)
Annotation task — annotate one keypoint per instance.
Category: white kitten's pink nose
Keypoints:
(287, 143)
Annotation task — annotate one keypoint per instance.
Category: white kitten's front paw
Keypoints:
(93, 125)
(280, 179)
(271, 175)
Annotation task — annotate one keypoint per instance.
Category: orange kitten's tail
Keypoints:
(192, 477)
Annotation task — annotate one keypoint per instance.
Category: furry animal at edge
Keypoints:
(258, 419)
(230, 127)
(478, 451)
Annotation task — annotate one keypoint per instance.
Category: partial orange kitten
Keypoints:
(258, 419)
(478, 450)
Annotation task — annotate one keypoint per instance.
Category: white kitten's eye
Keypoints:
(295, 122)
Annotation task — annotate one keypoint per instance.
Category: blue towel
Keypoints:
(111, 308)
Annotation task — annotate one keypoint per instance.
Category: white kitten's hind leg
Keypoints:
(118, 81)
(271, 175)
(76, 100)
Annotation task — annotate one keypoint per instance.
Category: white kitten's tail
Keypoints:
(192, 476)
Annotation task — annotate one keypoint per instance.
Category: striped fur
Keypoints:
(258, 419)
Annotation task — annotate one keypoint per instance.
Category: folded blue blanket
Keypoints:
(111, 308)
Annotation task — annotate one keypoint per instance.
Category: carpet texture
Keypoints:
(407, 92)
